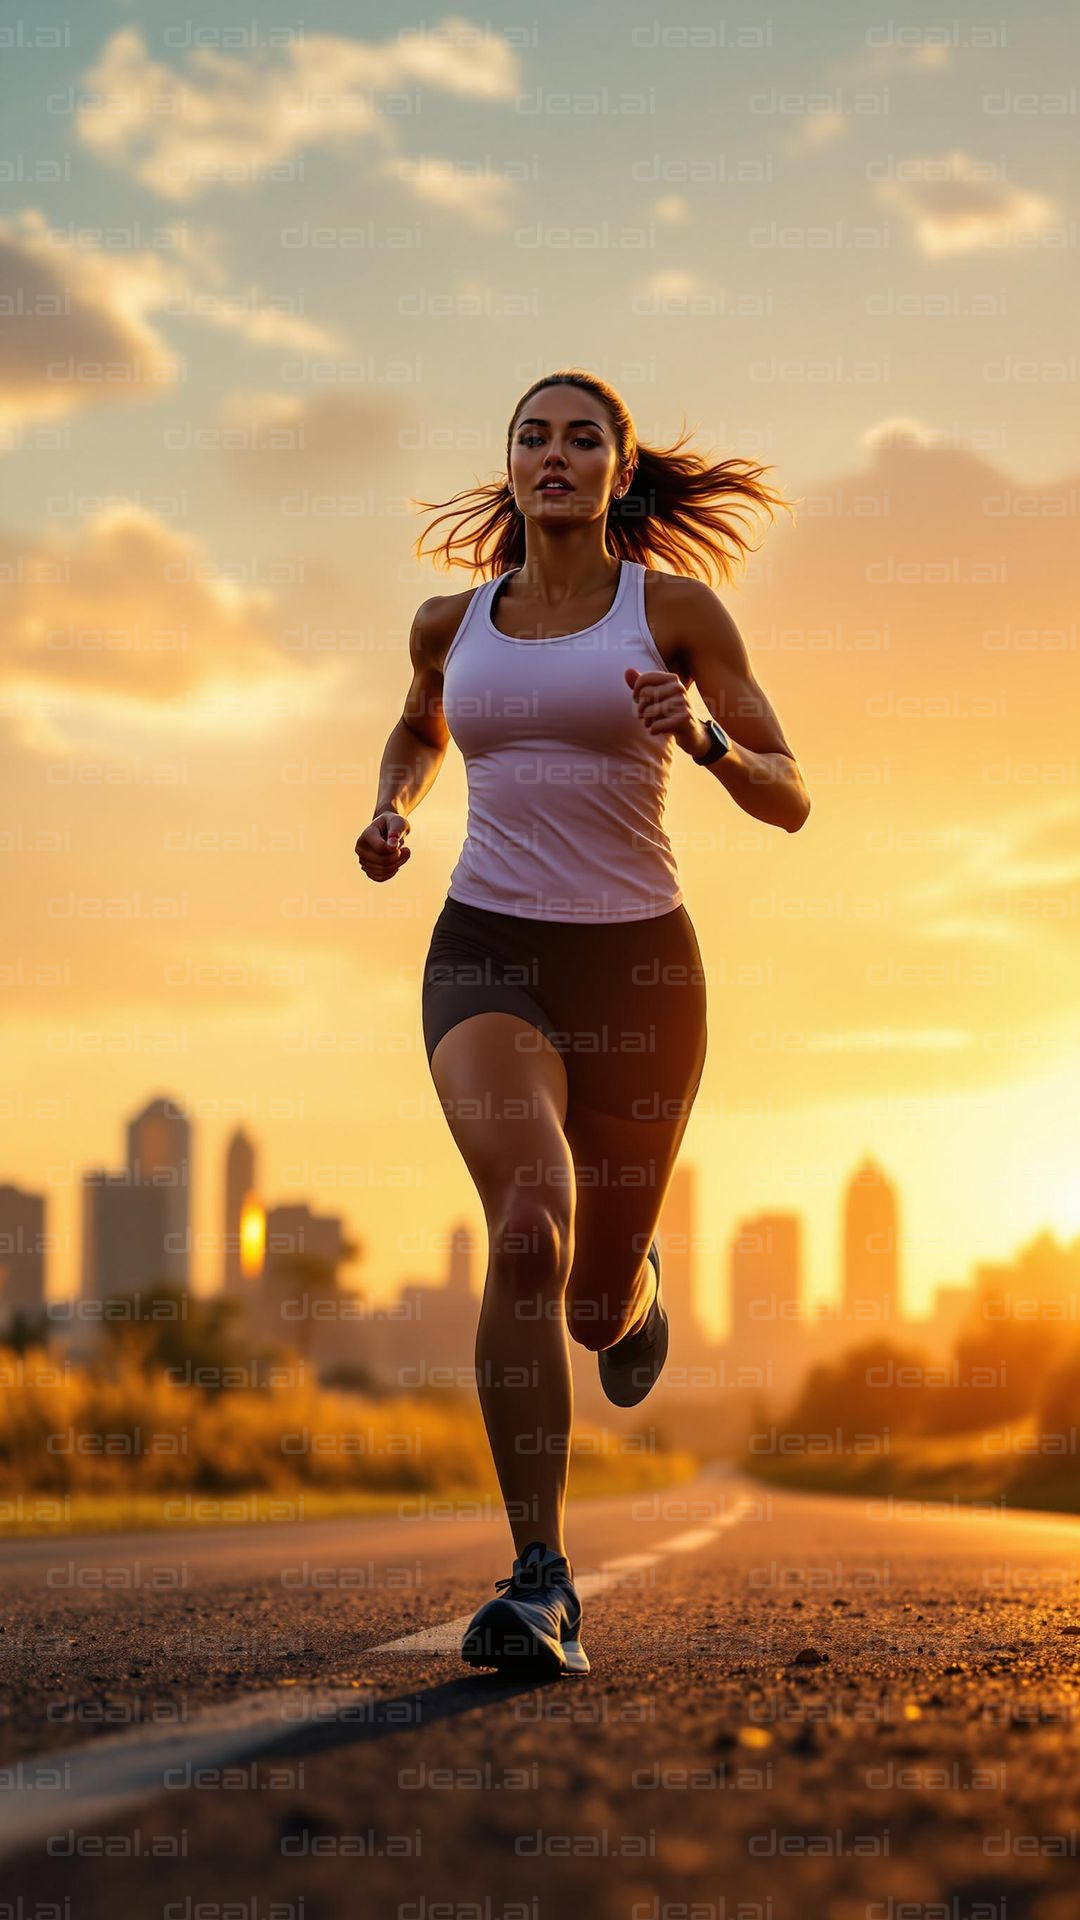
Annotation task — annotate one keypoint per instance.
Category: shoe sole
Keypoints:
(633, 1397)
(519, 1649)
(638, 1394)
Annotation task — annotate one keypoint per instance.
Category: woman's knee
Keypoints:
(531, 1237)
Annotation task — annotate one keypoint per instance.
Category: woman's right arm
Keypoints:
(417, 746)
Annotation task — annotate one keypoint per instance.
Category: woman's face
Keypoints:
(563, 434)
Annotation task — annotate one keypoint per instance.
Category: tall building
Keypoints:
(951, 1312)
(766, 1283)
(459, 1269)
(300, 1302)
(159, 1153)
(240, 1182)
(125, 1226)
(22, 1253)
(871, 1256)
(433, 1333)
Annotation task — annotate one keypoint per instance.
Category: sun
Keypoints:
(1067, 1211)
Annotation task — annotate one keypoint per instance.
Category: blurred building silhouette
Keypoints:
(675, 1235)
(22, 1253)
(768, 1321)
(135, 1223)
(462, 1260)
(299, 1302)
(1039, 1283)
(428, 1336)
(124, 1229)
(871, 1258)
(240, 1182)
(946, 1320)
(159, 1153)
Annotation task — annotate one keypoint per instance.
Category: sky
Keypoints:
(268, 280)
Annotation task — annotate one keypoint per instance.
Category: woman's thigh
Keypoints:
(626, 1005)
(629, 1107)
(505, 1105)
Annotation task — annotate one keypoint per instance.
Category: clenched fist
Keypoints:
(664, 707)
(380, 848)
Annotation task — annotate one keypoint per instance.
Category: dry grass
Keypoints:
(80, 1452)
(1009, 1463)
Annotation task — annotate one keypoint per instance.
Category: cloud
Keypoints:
(673, 207)
(270, 438)
(903, 429)
(129, 624)
(1006, 887)
(882, 55)
(880, 59)
(674, 283)
(262, 323)
(463, 188)
(817, 130)
(80, 333)
(954, 204)
(233, 121)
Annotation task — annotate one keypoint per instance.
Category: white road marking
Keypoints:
(446, 1637)
(50, 1793)
(71, 1786)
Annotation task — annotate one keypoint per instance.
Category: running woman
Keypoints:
(563, 999)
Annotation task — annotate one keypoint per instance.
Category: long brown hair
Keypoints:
(678, 508)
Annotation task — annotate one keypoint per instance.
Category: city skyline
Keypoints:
(129, 1211)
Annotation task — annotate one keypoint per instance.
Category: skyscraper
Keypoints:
(766, 1285)
(124, 1228)
(159, 1153)
(22, 1253)
(240, 1181)
(871, 1275)
(299, 1300)
(463, 1244)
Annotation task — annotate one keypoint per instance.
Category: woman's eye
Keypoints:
(530, 439)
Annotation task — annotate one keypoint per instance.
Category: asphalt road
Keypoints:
(799, 1709)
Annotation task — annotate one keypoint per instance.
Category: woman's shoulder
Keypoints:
(438, 619)
(671, 602)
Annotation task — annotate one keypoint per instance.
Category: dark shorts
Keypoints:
(622, 1002)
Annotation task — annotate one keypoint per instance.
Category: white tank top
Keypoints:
(567, 785)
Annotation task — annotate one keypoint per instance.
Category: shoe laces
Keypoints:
(530, 1575)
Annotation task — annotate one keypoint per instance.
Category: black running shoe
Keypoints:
(631, 1368)
(534, 1627)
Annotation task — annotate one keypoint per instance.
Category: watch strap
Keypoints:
(718, 745)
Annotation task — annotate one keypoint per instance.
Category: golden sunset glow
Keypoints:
(252, 1237)
(243, 340)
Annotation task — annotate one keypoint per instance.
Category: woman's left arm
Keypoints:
(759, 770)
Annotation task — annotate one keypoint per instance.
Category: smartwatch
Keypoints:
(717, 747)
